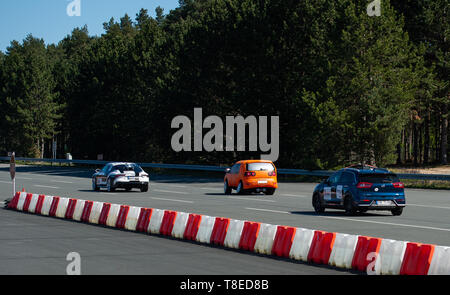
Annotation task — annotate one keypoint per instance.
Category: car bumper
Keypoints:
(255, 184)
(130, 184)
(377, 205)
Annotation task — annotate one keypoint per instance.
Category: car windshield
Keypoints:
(130, 167)
(260, 167)
(379, 178)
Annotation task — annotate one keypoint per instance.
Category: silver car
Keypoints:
(120, 175)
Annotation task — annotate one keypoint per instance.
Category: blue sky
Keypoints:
(48, 19)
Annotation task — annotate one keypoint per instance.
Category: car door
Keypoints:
(234, 175)
(102, 175)
(346, 179)
(329, 189)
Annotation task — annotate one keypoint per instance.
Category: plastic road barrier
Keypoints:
(390, 257)
(417, 259)
(343, 250)
(112, 215)
(192, 226)
(132, 218)
(104, 214)
(144, 219)
(219, 231)
(70, 208)
(249, 235)
(155, 221)
(365, 246)
(264, 242)
(86, 210)
(122, 216)
(180, 225)
(440, 264)
(234, 234)
(321, 247)
(168, 222)
(283, 241)
(205, 229)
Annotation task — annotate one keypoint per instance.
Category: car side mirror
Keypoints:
(227, 170)
(97, 170)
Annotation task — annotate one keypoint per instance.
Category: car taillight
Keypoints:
(272, 173)
(364, 185)
(398, 185)
(249, 173)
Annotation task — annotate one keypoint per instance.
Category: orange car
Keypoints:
(251, 175)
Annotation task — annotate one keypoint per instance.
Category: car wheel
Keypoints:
(144, 188)
(397, 211)
(94, 185)
(317, 205)
(226, 188)
(349, 207)
(270, 191)
(240, 188)
(110, 185)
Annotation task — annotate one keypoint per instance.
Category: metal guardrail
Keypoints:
(319, 173)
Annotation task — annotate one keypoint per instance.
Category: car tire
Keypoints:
(270, 191)
(144, 188)
(94, 185)
(349, 207)
(240, 188)
(397, 211)
(226, 188)
(110, 185)
(317, 205)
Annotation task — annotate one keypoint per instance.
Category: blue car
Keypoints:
(360, 188)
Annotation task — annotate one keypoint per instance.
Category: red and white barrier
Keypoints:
(155, 221)
(390, 257)
(180, 225)
(264, 242)
(205, 229)
(234, 234)
(374, 255)
(343, 250)
(301, 244)
(132, 218)
(440, 264)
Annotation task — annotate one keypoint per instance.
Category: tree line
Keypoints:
(347, 87)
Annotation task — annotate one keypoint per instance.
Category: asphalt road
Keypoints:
(36, 244)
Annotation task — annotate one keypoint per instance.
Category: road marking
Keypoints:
(275, 211)
(8, 182)
(359, 220)
(289, 195)
(174, 185)
(46, 186)
(251, 199)
(175, 200)
(60, 181)
(172, 192)
(210, 188)
(387, 223)
(417, 205)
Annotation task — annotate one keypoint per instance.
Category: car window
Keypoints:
(333, 179)
(123, 168)
(235, 169)
(260, 167)
(106, 169)
(347, 177)
(378, 178)
(137, 168)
